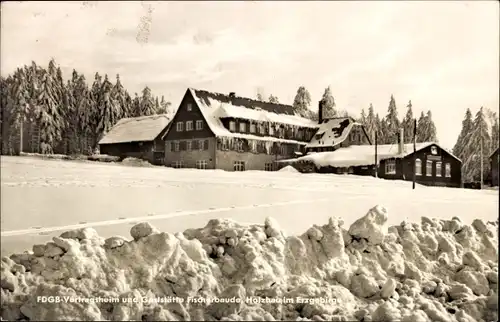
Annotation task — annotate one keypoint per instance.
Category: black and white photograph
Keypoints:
(249, 160)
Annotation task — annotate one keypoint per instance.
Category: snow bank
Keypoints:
(103, 158)
(78, 157)
(440, 270)
(46, 156)
(289, 168)
(136, 162)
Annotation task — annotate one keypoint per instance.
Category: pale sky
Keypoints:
(443, 56)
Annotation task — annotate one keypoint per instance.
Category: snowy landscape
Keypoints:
(452, 261)
(134, 138)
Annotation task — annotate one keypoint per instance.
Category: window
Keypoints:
(199, 144)
(319, 135)
(232, 126)
(180, 126)
(176, 146)
(189, 125)
(268, 167)
(253, 146)
(177, 164)
(252, 128)
(438, 169)
(300, 135)
(224, 145)
(447, 170)
(271, 130)
(196, 145)
(201, 164)
(418, 167)
(434, 150)
(283, 150)
(239, 146)
(189, 106)
(188, 145)
(199, 125)
(428, 168)
(390, 167)
(205, 145)
(239, 165)
(243, 127)
(182, 145)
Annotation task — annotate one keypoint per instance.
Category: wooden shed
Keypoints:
(138, 137)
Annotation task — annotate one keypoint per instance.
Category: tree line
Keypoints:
(385, 128)
(52, 115)
(478, 134)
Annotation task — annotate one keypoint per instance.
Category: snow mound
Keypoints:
(103, 158)
(289, 168)
(439, 270)
(136, 162)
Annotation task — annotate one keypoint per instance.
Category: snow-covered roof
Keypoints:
(360, 155)
(331, 132)
(215, 106)
(136, 129)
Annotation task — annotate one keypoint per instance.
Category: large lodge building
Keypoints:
(218, 131)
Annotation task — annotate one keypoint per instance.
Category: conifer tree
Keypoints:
(147, 102)
(362, 118)
(421, 128)
(108, 108)
(136, 106)
(392, 124)
(467, 125)
(302, 102)
(371, 124)
(49, 116)
(273, 99)
(408, 124)
(118, 95)
(165, 107)
(328, 104)
(475, 141)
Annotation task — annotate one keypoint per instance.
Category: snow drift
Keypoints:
(289, 169)
(440, 270)
(135, 162)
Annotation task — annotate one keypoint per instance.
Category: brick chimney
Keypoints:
(320, 112)
(401, 141)
(232, 94)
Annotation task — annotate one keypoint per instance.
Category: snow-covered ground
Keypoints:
(42, 198)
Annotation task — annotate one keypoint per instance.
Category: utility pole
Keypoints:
(376, 157)
(481, 137)
(414, 152)
(21, 136)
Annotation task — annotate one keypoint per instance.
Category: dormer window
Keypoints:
(243, 127)
(271, 130)
(319, 135)
(252, 128)
(232, 126)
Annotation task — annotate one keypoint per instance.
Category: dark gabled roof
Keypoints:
(136, 129)
(335, 130)
(244, 101)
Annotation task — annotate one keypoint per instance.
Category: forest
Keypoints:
(54, 116)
